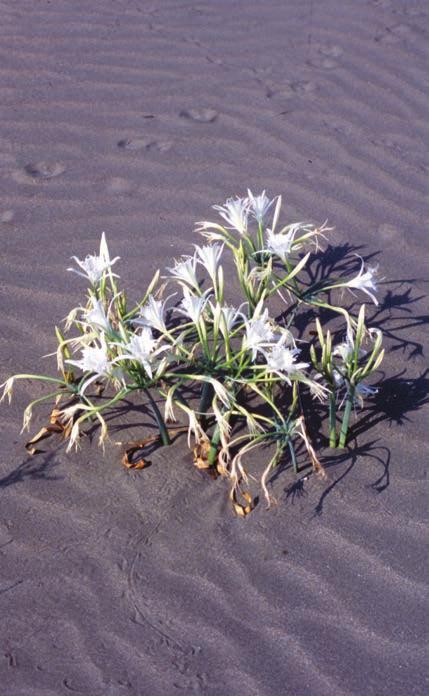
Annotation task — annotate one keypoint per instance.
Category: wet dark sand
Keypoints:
(134, 117)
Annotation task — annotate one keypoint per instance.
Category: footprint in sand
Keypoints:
(145, 144)
(118, 185)
(339, 127)
(44, 169)
(290, 89)
(200, 115)
(395, 34)
(7, 216)
(326, 57)
(411, 12)
(389, 232)
(381, 3)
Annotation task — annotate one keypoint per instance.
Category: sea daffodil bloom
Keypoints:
(193, 306)
(230, 316)
(142, 348)
(259, 333)
(94, 265)
(97, 316)
(235, 212)
(152, 314)
(185, 271)
(95, 360)
(282, 359)
(362, 391)
(281, 244)
(209, 256)
(259, 205)
(365, 281)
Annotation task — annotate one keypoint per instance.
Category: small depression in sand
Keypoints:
(44, 169)
(118, 185)
(200, 115)
(7, 216)
(288, 90)
(145, 144)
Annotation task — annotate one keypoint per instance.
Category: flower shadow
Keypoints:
(32, 468)
(380, 454)
(395, 315)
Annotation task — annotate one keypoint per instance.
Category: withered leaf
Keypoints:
(128, 460)
(201, 451)
(43, 433)
(99, 388)
(139, 463)
(240, 509)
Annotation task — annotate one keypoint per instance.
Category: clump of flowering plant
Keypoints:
(234, 372)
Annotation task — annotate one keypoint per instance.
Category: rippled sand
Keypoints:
(133, 117)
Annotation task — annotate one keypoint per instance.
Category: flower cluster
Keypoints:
(247, 366)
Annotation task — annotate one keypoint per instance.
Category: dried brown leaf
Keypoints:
(99, 388)
(201, 451)
(43, 434)
(136, 446)
(241, 510)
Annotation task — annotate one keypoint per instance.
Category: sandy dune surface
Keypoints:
(134, 117)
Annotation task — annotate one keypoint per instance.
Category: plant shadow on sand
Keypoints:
(397, 397)
(36, 469)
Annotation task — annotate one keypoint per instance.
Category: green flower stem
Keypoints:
(332, 420)
(206, 399)
(260, 237)
(165, 438)
(293, 456)
(346, 417)
(102, 407)
(334, 308)
(294, 280)
(211, 457)
(43, 378)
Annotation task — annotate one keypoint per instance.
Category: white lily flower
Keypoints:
(235, 212)
(362, 391)
(259, 205)
(281, 244)
(8, 389)
(93, 265)
(338, 378)
(152, 314)
(97, 316)
(281, 359)
(230, 316)
(259, 333)
(193, 306)
(95, 360)
(345, 350)
(185, 271)
(209, 257)
(365, 281)
(142, 348)
(224, 317)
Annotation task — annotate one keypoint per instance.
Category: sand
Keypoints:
(134, 117)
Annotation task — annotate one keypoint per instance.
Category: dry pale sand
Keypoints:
(133, 117)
